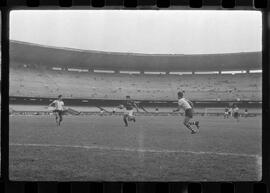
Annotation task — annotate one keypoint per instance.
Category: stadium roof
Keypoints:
(28, 53)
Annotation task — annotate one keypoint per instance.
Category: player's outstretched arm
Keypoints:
(51, 104)
(190, 103)
(136, 107)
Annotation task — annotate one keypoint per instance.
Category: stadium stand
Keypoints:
(32, 74)
(42, 82)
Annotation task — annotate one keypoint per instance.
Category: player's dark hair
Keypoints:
(180, 94)
(59, 96)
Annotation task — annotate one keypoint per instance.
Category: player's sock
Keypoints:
(192, 123)
(189, 127)
(197, 124)
(126, 123)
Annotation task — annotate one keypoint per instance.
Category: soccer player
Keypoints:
(128, 114)
(58, 109)
(226, 113)
(246, 113)
(188, 108)
(230, 112)
(101, 112)
(236, 112)
(11, 111)
(157, 110)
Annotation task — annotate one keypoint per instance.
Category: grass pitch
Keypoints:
(155, 148)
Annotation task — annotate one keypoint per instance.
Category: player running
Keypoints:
(226, 113)
(236, 112)
(157, 110)
(101, 112)
(128, 114)
(246, 113)
(188, 108)
(58, 109)
(230, 112)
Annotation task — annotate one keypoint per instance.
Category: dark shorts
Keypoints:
(236, 115)
(59, 112)
(189, 113)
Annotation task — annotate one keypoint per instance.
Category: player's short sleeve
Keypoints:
(190, 103)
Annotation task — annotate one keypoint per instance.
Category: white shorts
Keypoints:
(128, 112)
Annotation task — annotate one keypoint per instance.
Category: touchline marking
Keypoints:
(135, 150)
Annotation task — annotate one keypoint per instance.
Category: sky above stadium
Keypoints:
(149, 32)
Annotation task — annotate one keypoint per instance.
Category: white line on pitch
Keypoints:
(137, 150)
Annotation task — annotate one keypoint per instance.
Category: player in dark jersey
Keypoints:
(246, 113)
(226, 113)
(128, 114)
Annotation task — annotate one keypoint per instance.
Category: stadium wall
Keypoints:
(144, 103)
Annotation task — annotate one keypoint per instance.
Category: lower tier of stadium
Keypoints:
(38, 82)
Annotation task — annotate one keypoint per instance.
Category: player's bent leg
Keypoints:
(57, 118)
(125, 120)
(196, 123)
(128, 118)
(60, 117)
(187, 124)
(132, 118)
(186, 120)
(192, 122)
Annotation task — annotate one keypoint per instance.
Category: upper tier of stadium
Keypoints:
(34, 54)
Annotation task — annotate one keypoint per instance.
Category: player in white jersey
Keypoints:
(188, 108)
(58, 109)
(226, 113)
